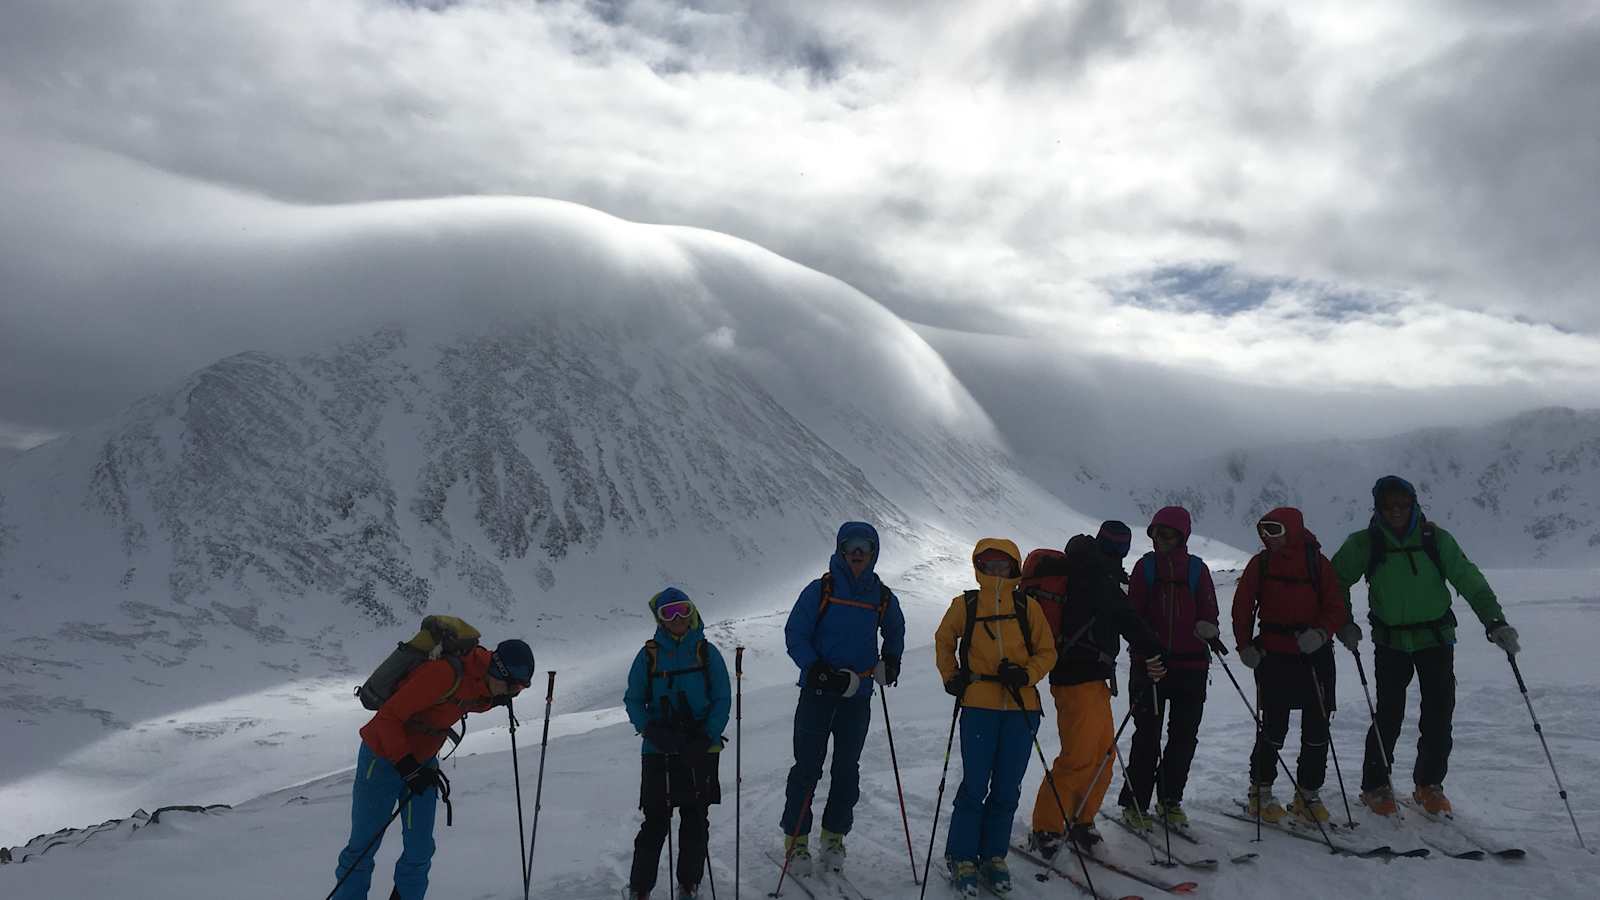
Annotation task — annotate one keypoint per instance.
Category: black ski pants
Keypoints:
(689, 783)
(1284, 683)
(1435, 671)
(1183, 695)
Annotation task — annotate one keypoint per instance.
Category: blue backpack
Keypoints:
(1147, 563)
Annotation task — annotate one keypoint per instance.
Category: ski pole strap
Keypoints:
(444, 794)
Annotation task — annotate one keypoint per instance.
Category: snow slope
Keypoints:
(555, 414)
(283, 843)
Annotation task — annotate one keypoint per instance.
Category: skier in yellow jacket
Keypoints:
(992, 647)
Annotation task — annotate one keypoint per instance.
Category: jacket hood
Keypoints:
(1293, 521)
(996, 582)
(672, 595)
(848, 585)
(1390, 483)
(1175, 517)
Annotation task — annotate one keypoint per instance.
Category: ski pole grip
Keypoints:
(738, 661)
(550, 688)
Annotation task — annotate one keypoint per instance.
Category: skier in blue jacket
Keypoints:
(678, 698)
(832, 635)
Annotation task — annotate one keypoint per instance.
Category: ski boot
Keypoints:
(1261, 801)
(1173, 813)
(997, 875)
(832, 856)
(1432, 799)
(797, 850)
(1307, 807)
(963, 877)
(1045, 843)
(1085, 836)
(628, 893)
(686, 892)
(1380, 800)
(1137, 819)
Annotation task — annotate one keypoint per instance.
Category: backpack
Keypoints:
(1019, 603)
(828, 599)
(653, 671)
(1378, 548)
(1195, 565)
(1314, 578)
(441, 637)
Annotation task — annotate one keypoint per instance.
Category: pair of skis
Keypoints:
(1468, 844)
(815, 885)
(1152, 837)
(1314, 835)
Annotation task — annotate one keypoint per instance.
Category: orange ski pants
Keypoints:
(1083, 719)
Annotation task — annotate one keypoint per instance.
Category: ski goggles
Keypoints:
(851, 545)
(1271, 529)
(677, 609)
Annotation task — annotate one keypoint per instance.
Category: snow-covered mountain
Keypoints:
(1520, 492)
(623, 407)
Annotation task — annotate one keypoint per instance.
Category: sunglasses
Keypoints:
(1271, 529)
(856, 544)
(1163, 533)
(677, 609)
(1396, 505)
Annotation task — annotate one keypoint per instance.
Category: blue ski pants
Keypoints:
(994, 756)
(816, 718)
(377, 788)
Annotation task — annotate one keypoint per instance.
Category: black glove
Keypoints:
(958, 682)
(666, 739)
(891, 669)
(1012, 675)
(698, 742)
(418, 777)
(823, 677)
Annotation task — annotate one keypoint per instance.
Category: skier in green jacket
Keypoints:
(1410, 565)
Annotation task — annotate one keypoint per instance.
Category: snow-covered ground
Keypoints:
(283, 843)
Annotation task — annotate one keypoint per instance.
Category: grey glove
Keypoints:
(1505, 637)
(1250, 656)
(1350, 636)
(1311, 640)
(1205, 631)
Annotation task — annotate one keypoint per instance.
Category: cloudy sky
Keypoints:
(1324, 205)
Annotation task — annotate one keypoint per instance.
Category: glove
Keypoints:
(1155, 667)
(1350, 636)
(958, 682)
(418, 777)
(823, 677)
(666, 739)
(1012, 675)
(1505, 637)
(1311, 640)
(1205, 631)
(699, 742)
(889, 670)
(1250, 656)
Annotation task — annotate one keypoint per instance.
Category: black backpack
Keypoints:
(1019, 603)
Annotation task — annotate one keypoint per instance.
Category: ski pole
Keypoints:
(1260, 738)
(404, 798)
(938, 801)
(883, 695)
(1128, 782)
(738, 760)
(1377, 733)
(1539, 730)
(1221, 658)
(516, 779)
(1161, 802)
(1322, 704)
(1050, 779)
(538, 794)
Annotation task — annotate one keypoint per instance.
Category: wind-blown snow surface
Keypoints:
(552, 414)
(284, 843)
